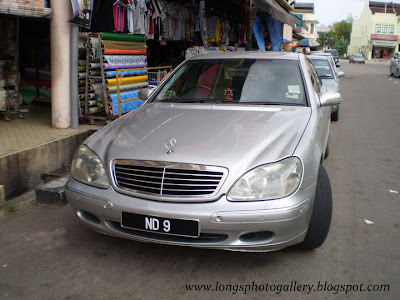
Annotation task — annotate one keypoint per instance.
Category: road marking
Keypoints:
(390, 79)
(396, 82)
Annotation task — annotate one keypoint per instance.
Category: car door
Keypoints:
(396, 62)
(324, 113)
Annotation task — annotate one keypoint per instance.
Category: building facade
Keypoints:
(375, 34)
(305, 11)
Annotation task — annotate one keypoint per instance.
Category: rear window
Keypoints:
(323, 68)
(332, 51)
(241, 81)
(357, 55)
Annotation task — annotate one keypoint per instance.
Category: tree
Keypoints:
(339, 35)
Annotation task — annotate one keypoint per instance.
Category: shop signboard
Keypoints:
(384, 37)
(384, 43)
(83, 10)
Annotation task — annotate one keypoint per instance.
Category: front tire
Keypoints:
(321, 217)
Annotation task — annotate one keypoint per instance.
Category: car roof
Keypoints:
(249, 55)
(320, 57)
(322, 54)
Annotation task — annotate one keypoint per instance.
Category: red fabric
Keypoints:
(206, 82)
(119, 51)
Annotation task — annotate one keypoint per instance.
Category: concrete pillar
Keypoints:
(60, 63)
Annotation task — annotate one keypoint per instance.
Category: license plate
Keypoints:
(170, 226)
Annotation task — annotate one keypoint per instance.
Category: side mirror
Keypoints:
(330, 99)
(145, 93)
(340, 74)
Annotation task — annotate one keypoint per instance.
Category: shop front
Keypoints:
(383, 46)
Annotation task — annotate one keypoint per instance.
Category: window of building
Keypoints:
(384, 29)
(312, 28)
(378, 28)
(391, 29)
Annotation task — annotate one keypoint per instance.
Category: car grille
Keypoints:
(168, 179)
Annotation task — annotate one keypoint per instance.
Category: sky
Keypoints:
(331, 11)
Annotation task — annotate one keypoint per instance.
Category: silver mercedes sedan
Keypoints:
(226, 153)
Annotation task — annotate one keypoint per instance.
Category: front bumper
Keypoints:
(222, 223)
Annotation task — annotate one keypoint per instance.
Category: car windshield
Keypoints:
(323, 68)
(333, 52)
(357, 55)
(243, 81)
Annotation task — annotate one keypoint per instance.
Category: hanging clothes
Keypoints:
(119, 17)
(275, 32)
(259, 33)
(139, 17)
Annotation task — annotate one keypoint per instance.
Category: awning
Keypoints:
(13, 8)
(275, 11)
(297, 36)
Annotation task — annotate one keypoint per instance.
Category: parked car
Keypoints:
(357, 58)
(330, 58)
(227, 153)
(329, 76)
(395, 65)
(335, 55)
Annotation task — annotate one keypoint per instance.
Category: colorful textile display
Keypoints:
(123, 45)
(127, 66)
(125, 87)
(122, 37)
(119, 51)
(125, 59)
(125, 106)
(127, 80)
(125, 73)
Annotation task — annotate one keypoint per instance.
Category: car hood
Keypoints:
(230, 136)
(330, 85)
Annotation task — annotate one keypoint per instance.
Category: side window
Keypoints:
(316, 81)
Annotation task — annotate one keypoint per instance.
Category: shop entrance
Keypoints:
(382, 53)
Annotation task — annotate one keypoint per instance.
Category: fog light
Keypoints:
(256, 236)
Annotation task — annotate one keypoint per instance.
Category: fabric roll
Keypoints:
(127, 66)
(125, 59)
(81, 68)
(81, 75)
(94, 110)
(122, 37)
(124, 45)
(125, 106)
(125, 87)
(111, 74)
(92, 103)
(118, 51)
(95, 65)
(127, 80)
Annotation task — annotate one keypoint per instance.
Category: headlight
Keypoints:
(88, 168)
(271, 181)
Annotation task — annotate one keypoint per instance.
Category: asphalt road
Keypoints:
(46, 253)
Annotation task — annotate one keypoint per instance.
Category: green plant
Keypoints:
(10, 209)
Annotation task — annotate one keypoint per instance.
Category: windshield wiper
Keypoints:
(326, 77)
(273, 103)
(202, 100)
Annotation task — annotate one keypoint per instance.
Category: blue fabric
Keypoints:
(126, 106)
(259, 33)
(275, 32)
(126, 73)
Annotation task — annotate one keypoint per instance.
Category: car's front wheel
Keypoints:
(321, 217)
